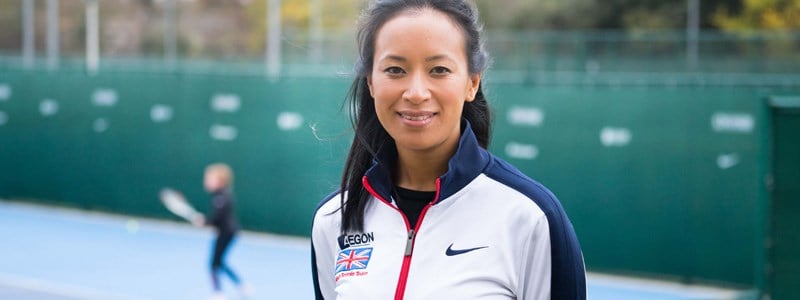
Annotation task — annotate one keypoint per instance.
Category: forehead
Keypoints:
(420, 30)
(217, 171)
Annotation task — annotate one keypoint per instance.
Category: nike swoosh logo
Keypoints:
(451, 252)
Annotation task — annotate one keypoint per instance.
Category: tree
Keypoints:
(594, 14)
(760, 14)
(10, 21)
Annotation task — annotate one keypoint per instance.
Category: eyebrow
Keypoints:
(428, 59)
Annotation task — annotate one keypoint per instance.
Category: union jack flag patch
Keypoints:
(353, 259)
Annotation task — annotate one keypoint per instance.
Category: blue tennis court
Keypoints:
(57, 254)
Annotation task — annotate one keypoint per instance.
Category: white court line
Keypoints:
(60, 289)
(666, 287)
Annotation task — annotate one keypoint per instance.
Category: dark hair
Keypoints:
(370, 136)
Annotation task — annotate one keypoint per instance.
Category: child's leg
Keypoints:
(225, 267)
(220, 247)
(231, 274)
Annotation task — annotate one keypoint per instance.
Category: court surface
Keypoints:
(58, 254)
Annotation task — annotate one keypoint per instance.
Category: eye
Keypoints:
(394, 71)
(440, 70)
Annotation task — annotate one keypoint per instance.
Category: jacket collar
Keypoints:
(467, 163)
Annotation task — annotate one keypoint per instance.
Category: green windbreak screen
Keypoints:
(785, 232)
(657, 179)
(652, 178)
(113, 141)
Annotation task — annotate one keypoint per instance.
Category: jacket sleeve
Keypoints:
(322, 261)
(535, 275)
(553, 266)
(568, 273)
(315, 274)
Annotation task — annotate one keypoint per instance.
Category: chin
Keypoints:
(415, 144)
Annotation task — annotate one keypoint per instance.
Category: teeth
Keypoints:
(415, 118)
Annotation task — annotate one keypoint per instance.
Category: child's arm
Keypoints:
(199, 221)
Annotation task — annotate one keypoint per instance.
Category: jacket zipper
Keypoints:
(401, 282)
(412, 234)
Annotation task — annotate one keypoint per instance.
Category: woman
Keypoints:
(424, 211)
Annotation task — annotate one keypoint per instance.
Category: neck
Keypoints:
(418, 170)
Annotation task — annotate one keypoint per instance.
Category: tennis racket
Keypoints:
(176, 203)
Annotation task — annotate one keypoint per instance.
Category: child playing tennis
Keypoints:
(218, 182)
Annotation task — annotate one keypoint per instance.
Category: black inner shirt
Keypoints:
(412, 202)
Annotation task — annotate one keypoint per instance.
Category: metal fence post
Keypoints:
(692, 32)
(315, 32)
(53, 34)
(170, 33)
(92, 37)
(28, 33)
(273, 39)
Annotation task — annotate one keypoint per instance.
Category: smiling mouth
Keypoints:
(416, 117)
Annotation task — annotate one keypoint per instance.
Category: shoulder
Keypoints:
(568, 272)
(327, 211)
(511, 177)
(325, 227)
(329, 203)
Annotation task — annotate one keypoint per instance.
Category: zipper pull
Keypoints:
(409, 242)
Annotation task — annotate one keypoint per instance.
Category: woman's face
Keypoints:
(420, 80)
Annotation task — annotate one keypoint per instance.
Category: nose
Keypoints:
(417, 90)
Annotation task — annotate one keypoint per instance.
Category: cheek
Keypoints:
(457, 95)
(382, 88)
(383, 110)
(385, 94)
(211, 183)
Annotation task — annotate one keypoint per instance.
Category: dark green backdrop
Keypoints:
(663, 179)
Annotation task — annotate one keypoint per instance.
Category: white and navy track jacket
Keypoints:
(490, 233)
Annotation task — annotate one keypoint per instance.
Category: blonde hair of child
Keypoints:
(222, 171)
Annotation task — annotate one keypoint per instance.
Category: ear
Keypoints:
(369, 84)
(472, 87)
